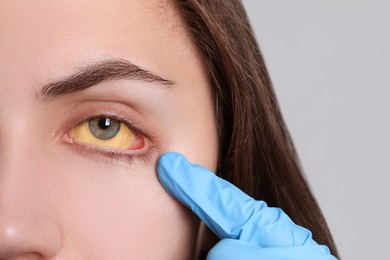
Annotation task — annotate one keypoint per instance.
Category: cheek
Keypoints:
(110, 211)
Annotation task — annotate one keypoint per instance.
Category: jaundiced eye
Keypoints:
(105, 132)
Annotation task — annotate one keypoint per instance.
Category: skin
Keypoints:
(59, 200)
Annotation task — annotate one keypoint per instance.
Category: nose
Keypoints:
(28, 227)
(27, 238)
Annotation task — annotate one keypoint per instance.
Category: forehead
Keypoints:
(42, 38)
(51, 18)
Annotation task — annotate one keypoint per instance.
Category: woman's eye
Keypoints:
(106, 132)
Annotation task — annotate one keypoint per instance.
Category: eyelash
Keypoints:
(117, 155)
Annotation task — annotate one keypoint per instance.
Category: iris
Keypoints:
(104, 128)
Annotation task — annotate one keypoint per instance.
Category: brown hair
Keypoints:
(256, 152)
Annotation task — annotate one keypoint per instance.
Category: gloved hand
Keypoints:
(248, 228)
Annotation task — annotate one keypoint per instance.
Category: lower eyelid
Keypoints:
(99, 153)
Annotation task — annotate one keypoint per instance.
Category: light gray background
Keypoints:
(329, 62)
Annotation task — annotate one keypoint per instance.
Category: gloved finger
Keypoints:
(231, 249)
(225, 209)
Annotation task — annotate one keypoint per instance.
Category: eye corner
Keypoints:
(67, 138)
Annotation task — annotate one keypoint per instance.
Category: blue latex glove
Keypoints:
(248, 228)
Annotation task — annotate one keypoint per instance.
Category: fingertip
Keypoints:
(168, 166)
(169, 161)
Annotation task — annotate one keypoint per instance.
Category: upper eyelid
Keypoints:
(88, 109)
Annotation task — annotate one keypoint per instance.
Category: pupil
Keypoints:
(104, 123)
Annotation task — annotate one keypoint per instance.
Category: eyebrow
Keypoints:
(95, 73)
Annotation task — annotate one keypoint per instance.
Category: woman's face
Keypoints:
(91, 94)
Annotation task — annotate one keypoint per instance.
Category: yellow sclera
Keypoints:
(82, 134)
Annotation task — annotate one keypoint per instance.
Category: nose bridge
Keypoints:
(28, 225)
(20, 181)
(17, 161)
